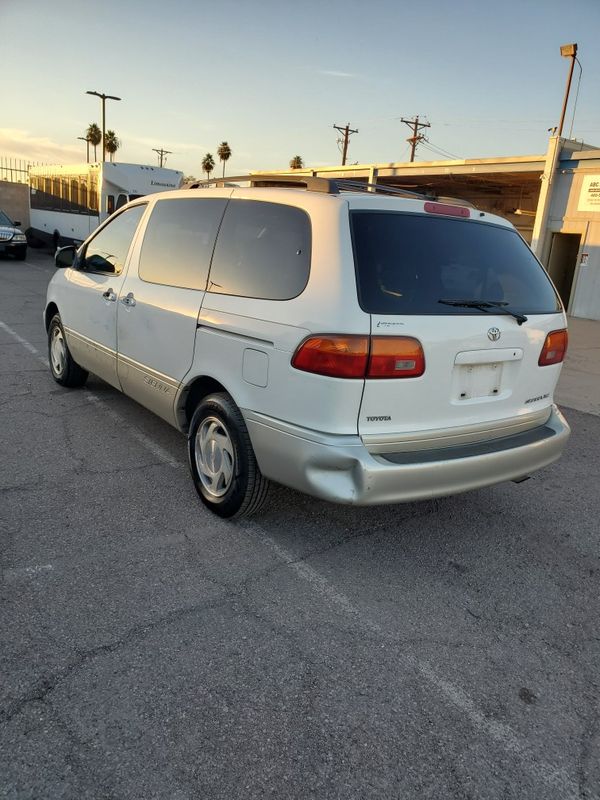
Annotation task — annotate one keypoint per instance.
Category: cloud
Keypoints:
(335, 74)
(20, 144)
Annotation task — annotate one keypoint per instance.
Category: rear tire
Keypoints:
(64, 369)
(222, 461)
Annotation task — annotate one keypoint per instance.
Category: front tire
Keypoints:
(21, 254)
(64, 369)
(224, 468)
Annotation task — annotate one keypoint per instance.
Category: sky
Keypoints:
(273, 78)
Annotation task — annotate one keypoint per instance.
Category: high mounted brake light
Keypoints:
(338, 356)
(555, 348)
(448, 210)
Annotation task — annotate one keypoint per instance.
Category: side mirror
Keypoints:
(17, 223)
(65, 256)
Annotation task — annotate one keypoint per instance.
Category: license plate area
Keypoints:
(473, 381)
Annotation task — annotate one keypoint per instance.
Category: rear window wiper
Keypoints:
(487, 305)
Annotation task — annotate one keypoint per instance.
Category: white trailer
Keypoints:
(69, 201)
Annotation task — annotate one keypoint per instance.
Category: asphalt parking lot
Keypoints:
(445, 649)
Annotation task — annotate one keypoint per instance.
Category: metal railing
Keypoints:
(15, 170)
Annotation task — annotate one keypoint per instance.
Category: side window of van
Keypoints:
(179, 241)
(107, 251)
(263, 251)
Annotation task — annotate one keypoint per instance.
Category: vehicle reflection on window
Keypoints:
(107, 251)
(101, 263)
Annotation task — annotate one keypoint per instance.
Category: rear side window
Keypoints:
(179, 241)
(408, 263)
(263, 251)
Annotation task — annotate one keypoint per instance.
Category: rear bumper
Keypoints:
(340, 468)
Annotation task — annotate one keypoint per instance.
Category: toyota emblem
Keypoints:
(494, 334)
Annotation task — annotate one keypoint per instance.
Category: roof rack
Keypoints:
(323, 185)
(312, 183)
(347, 184)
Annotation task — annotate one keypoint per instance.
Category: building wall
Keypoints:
(570, 213)
(14, 201)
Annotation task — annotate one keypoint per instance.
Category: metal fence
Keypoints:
(15, 170)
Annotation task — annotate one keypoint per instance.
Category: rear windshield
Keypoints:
(408, 263)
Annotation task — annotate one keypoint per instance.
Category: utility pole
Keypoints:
(567, 51)
(416, 137)
(347, 132)
(161, 155)
(104, 98)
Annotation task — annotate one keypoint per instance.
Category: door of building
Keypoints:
(563, 261)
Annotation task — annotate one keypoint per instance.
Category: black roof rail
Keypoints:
(323, 185)
(312, 184)
(347, 184)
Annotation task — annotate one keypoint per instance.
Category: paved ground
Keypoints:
(579, 385)
(444, 649)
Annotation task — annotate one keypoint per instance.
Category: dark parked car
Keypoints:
(12, 239)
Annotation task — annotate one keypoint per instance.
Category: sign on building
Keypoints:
(589, 197)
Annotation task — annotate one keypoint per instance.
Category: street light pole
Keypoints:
(104, 98)
(568, 51)
(87, 141)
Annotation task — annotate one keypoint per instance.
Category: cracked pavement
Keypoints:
(444, 649)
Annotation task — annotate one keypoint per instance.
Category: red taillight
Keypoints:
(335, 356)
(448, 210)
(395, 357)
(555, 347)
(361, 356)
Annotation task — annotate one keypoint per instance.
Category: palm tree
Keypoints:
(208, 164)
(224, 153)
(112, 143)
(94, 136)
(296, 162)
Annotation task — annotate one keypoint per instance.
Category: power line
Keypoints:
(436, 148)
(346, 132)
(576, 96)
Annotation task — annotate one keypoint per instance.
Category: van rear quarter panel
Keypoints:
(231, 326)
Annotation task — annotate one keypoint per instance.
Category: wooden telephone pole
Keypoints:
(346, 132)
(161, 155)
(416, 137)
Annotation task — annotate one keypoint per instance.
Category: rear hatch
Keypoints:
(481, 306)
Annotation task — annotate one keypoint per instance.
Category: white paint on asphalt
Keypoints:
(27, 345)
(14, 573)
(156, 450)
(501, 733)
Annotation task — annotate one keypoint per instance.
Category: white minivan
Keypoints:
(359, 347)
